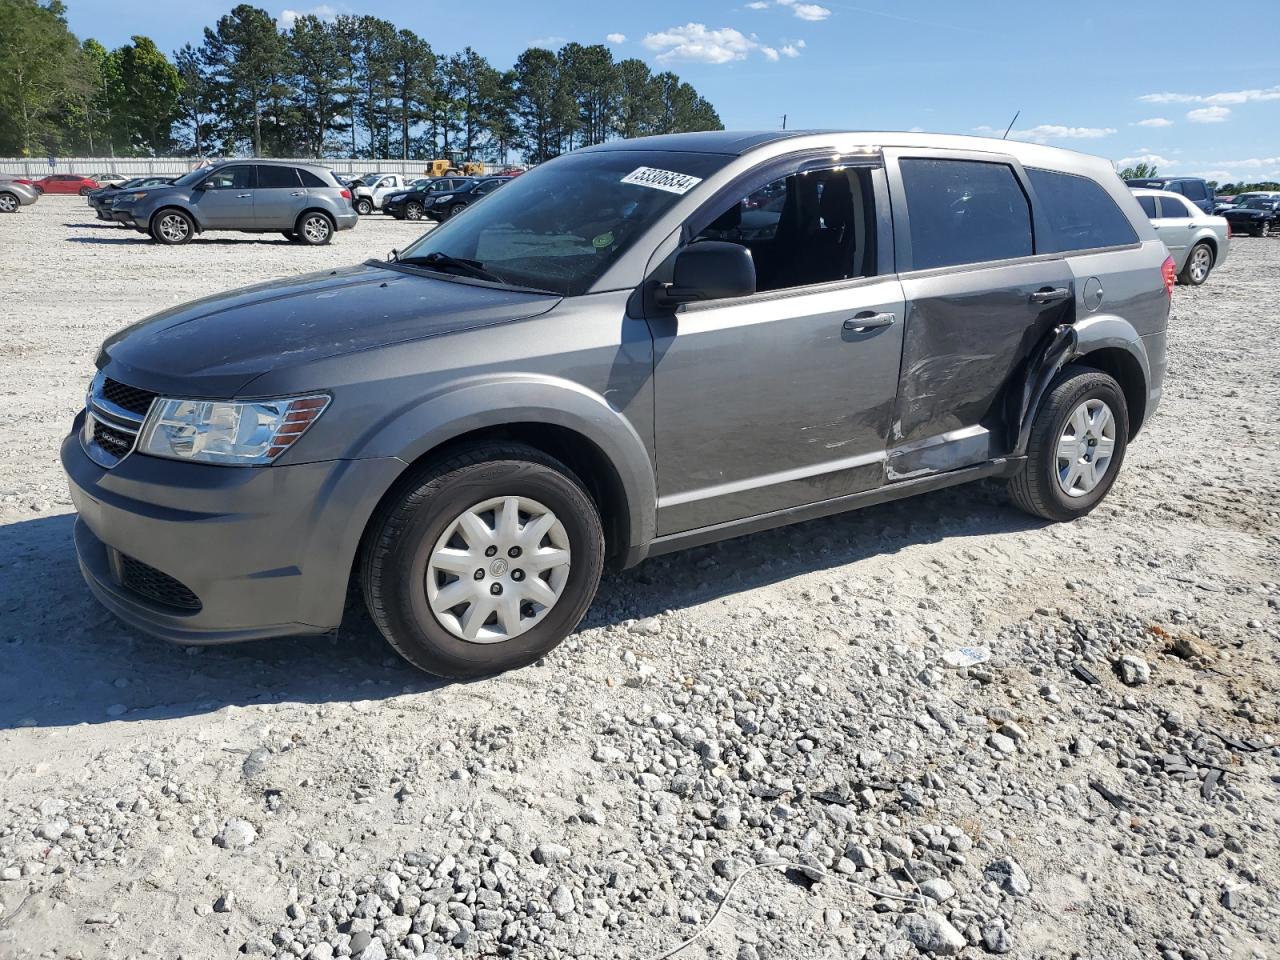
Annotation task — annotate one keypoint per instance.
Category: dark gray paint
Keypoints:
(717, 419)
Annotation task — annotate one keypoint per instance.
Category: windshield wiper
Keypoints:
(442, 261)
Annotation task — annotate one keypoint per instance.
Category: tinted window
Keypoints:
(231, 178)
(309, 179)
(1148, 205)
(803, 229)
(1174, 207)
(964, 211)
(273, 177)
(1082, 214)
(1193, 189)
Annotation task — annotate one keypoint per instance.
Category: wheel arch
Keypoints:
(1112, 345)
(189, 214)
(333, 223)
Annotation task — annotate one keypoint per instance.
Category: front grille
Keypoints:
(158, 587)
(130, 398)
(114, 441)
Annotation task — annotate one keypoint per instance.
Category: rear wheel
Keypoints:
(172, 227)
(315, 229)
(84, 191)
(1198, 266)
(364, 206)
(9, 203)
(483, 562)
(1078, 442)
(413, 210)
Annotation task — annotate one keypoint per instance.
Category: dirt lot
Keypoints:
(780, 699)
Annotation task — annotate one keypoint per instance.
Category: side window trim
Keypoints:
(902, 221)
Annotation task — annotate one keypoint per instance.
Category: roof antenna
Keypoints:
(1010, 126)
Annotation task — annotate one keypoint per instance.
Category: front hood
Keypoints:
(214, 347)
(1243, 214)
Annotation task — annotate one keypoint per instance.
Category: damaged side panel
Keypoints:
(973, 338)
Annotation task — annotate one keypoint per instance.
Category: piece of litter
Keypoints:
(962, 657)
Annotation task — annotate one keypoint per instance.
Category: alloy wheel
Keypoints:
(413, 211)
(498, 569)
(1201, 261)
(1085, 448)
(316, 229)
(8, 203)
(173, 227)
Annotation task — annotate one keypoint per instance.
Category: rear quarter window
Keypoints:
(309, 179)
(1148, 205)
(1081, 213)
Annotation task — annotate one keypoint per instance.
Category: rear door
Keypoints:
(279, 197)
(226, 202)
(1174, 226)
(980, 297)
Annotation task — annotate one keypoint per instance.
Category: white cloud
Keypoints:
(805, 11)
(1051, 131)
(288, 18)
(616, 37)
(758, 5)
(552, 43)
(698, 43)
(792, 49)
(1209, 114)
(1154, 159)
(1155, 122)
(1232, 97)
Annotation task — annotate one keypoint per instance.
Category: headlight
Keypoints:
(213, 431)
(136, 196)
(396, 197)
(441, 200)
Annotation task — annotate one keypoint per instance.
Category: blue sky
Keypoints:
(1127, 82)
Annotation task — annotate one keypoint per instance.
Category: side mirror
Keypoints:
(394, 255)
(202, 185)
(710, 270)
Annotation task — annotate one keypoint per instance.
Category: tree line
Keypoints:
(347, 86)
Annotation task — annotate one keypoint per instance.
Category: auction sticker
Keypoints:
(667, 180)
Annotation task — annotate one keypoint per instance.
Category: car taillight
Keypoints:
(1170, 272)
(346, 194)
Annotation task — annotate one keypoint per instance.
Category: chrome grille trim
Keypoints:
(123, 426)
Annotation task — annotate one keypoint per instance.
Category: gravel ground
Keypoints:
(1104, 786)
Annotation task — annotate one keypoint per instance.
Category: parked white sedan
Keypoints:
(1197, 241)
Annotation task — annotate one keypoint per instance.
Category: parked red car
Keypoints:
(67, 183)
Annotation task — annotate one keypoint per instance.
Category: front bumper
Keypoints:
(266, 551)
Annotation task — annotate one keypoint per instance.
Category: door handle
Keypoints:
(243, 196)
(1050, 295)
(298, 193)
(868, 320)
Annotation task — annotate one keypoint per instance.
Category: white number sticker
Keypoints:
(667, 180)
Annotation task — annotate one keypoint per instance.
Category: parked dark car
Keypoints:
(101, 198)
(67, 183)
(413, 204)
(302, 201)
(1195, 189)
(1256, 216)
(444, 204)
(578, 371)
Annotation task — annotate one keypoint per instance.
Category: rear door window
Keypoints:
(1148, 205)
(1171, 207)
(273, 177)
(1082, 214)
(964, 211)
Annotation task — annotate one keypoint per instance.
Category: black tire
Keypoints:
(172, 227)
(364, 207)
(1187, 278)
(1036, 489)
(456, 209)
(404, 532)
(314, 228)
(413, 210)
(290, 235)
(84, 191)
(9, 202)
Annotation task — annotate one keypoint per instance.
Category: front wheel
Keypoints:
(172, 228)
(484, 562)
(1078, 442)
(315, 229)
(456, 209)
(413, 210)
(9, 203)
(84, 191)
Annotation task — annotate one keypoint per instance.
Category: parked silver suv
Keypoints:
(634, 348)
(302, 201)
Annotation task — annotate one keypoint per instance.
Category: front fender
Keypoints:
(512, 399)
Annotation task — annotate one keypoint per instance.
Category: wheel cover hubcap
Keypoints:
(1085, 448)
(173, 227)
(7, 203)
(498, 569)
(316, 228)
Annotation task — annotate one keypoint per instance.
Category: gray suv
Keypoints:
(637, 347)
(302, 201)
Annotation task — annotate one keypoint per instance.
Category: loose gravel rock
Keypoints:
(782, 714)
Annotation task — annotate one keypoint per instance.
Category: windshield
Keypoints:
(1258, 203)
(560, 226)
(189, 178)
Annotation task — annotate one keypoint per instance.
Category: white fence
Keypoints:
(36, 167)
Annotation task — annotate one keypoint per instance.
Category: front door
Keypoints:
(1174, 226)
(226, 202)
(782, 398)
(279, 198)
